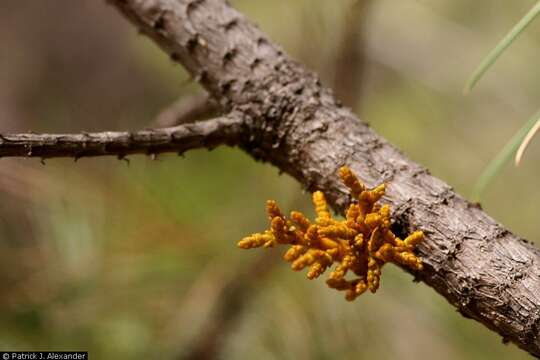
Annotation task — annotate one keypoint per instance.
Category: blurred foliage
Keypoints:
(126, 261)
(514, 145)
(501, 46)
(519, 142)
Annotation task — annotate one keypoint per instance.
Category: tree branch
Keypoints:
(484, 270)
(295, 123)
(209, 134)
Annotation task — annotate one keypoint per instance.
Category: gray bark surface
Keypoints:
(224, 130)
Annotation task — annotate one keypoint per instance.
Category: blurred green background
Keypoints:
(140, 261)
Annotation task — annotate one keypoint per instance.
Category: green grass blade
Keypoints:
(497, 163)
(490, 59)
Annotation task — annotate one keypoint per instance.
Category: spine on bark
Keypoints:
(361, 243)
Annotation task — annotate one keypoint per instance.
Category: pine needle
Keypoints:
(490, 59)
(497, 163)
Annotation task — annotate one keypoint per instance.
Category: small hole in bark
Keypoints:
(202, 76)
(159, 24)
(227, 85)
(229, 55)
(247, 85)
(230, 24)
(192, 43)
(192, 6)
(398, 228)
(255, 63)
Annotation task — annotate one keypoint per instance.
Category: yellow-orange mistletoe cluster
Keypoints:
(362, 243)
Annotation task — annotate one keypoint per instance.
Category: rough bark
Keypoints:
(292, 121)
(210, 133)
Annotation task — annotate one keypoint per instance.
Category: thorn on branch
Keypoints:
(87, 136)
(124, 158)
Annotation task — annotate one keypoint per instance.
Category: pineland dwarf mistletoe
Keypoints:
(361, 243)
